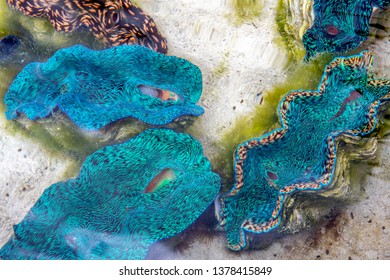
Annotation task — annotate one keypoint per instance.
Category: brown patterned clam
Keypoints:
(114, 22)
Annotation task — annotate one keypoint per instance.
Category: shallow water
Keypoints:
(242, 60)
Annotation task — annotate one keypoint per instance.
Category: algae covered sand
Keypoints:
(245, 10)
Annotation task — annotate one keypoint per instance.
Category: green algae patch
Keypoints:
(136, 3)
(245, 10)
(72, 170)
(7, 75)
(222, 67)
(63, 142)
(288, 37)
(6, 22)
(264, 117)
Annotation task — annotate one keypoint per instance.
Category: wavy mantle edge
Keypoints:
(363, 60)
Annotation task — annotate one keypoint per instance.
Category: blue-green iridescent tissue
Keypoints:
(111, 210)
(95, 88)
(339, 26)
(301, 154)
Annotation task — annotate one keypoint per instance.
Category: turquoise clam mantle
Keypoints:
(126, 197)
(339, 26)
(301, 154)
(95, 88)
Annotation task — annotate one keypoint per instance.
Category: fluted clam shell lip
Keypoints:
(356, 66)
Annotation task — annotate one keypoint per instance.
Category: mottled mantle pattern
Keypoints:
(125, 198)
(95, 88)
(115, 22)
(301, 155)
(339, 26)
